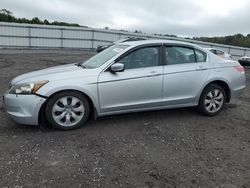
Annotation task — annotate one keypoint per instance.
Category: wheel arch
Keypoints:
(42, 117)
(222, 84)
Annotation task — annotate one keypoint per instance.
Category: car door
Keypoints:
(138, 86)
(185, 71)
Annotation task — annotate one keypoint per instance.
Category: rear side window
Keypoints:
(183, 55)
(179, 55)
(200, 56)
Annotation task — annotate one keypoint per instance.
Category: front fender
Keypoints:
(89, 89)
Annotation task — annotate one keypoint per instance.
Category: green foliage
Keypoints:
(235, 40)
(7, 16)
(36, 20)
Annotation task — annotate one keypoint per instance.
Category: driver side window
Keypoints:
(143, 57)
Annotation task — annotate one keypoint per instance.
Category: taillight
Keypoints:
(240, 68)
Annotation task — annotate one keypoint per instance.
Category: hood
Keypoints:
(54, 73)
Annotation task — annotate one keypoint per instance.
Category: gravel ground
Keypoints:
(168, 148)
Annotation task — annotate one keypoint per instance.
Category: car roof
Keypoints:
(211, 48)
(214, 49)
(159, 41)
(127, 39)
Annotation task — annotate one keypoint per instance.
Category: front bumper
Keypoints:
(23, 109)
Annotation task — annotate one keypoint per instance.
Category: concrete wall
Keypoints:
(13, 35)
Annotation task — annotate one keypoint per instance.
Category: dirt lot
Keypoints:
(168, 148)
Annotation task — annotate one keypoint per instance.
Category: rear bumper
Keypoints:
(238, 85)
(235, 94)
(23, 109)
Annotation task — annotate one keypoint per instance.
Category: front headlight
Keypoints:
(27, 88)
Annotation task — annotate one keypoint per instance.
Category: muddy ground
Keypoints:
(168, 148)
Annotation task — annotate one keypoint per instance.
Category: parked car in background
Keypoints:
(127, 77)
(220, 53)
(126, 39)
(245, 61)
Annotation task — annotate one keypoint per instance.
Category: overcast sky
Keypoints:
(177, 17)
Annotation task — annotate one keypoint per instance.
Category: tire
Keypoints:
(67, 110)
(212, 100)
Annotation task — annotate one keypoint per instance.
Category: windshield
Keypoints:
(102, 57)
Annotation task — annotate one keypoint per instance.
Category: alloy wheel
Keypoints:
(68, 111)
(214, 101)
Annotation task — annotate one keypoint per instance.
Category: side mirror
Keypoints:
(117, 67)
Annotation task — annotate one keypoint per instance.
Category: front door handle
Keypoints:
(201, 68)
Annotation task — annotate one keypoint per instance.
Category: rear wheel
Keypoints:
(212, 100)
(67, 110)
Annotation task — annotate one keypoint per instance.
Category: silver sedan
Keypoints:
(128, 77)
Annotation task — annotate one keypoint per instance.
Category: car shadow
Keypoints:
(137, 117)
(142, 117)
(121, 119)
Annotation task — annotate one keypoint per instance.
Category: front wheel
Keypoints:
(212, 100)
(67, 110)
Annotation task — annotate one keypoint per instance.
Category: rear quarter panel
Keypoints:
(225, 71)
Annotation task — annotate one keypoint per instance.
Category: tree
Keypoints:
(7, 16)
(6, 12)
(46, 22)
(235, 40)
(23, 20)
(36, 20)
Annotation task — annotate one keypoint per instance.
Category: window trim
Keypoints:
(196, 56)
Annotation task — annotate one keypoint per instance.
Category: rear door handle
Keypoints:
(153, 73)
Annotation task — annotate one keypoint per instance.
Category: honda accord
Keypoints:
(127, 77)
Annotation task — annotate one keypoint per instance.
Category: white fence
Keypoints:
(13, 35)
